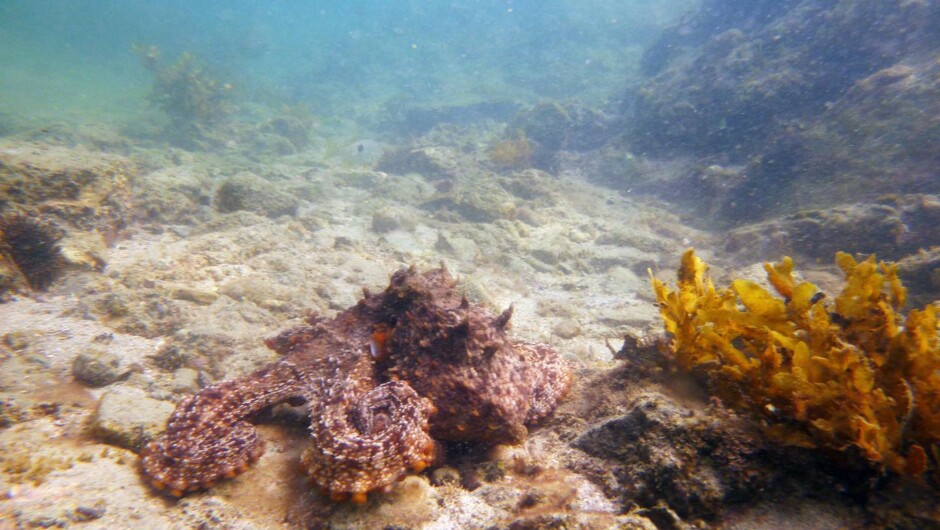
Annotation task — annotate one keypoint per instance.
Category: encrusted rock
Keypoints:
(477, 199)
(920, 273)
(247, 191)
(84, 250)
(431, 162)
(388, 219)
(84, 189)
(551, 126)
(661, 449)
(890, 228)
(96, 367)
(197, 296)
(727, 75)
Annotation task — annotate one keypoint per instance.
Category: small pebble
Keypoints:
(186, 381)
(194, 295)
(88, 513)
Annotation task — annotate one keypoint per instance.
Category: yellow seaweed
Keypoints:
(839, 373)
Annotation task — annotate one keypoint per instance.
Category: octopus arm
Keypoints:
(208, 438)
(364, 442)
(549, 378)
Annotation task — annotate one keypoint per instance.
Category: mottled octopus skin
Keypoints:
(385, 380)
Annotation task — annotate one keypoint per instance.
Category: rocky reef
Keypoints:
(734, 73)
(59, 208)
(135, 387)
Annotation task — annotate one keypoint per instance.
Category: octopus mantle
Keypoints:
(386, 380)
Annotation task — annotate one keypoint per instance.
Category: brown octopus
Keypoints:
(386, 379)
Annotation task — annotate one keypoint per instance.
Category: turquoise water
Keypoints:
(73, 61)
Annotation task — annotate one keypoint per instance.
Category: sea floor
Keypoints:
(214, 253)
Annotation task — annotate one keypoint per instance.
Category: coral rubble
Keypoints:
(839, 374)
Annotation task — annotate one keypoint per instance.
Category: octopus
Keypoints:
(386, 381)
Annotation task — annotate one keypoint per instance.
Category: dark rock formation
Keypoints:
(732, 74)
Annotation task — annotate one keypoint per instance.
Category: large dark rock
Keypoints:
(732, 73)
(662, 450)
(879, 138)
(920, 273)
(713, 17)
(891, 228)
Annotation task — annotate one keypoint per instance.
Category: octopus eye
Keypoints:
(370, 421)
(380, 422)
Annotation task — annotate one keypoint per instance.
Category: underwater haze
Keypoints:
(481, 264)
(349, 60)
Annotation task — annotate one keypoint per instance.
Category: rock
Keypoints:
(247, 191)
(891, 229)
(743, 88)
(84, 250)
(552, 126)
(583, 522)
(433, 163)
(478, 199)
(89, 512)
(16, 340)
(81, 188)
(253, 287)
(920, 273)
(662, 450)
(171, 357)
(267, 142)
(445, 475)
(197, 296)
(388, 219)
(567, 329)
(416, 121)
(728, 74)
(176, 195)
(411, 503)
(552, 250)
(530, 217)
(129, 418)
(294, 128)
(186, 381)
(98, 367)
(878, 138)
(463, 248)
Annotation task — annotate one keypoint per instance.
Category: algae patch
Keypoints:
(847, 373)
